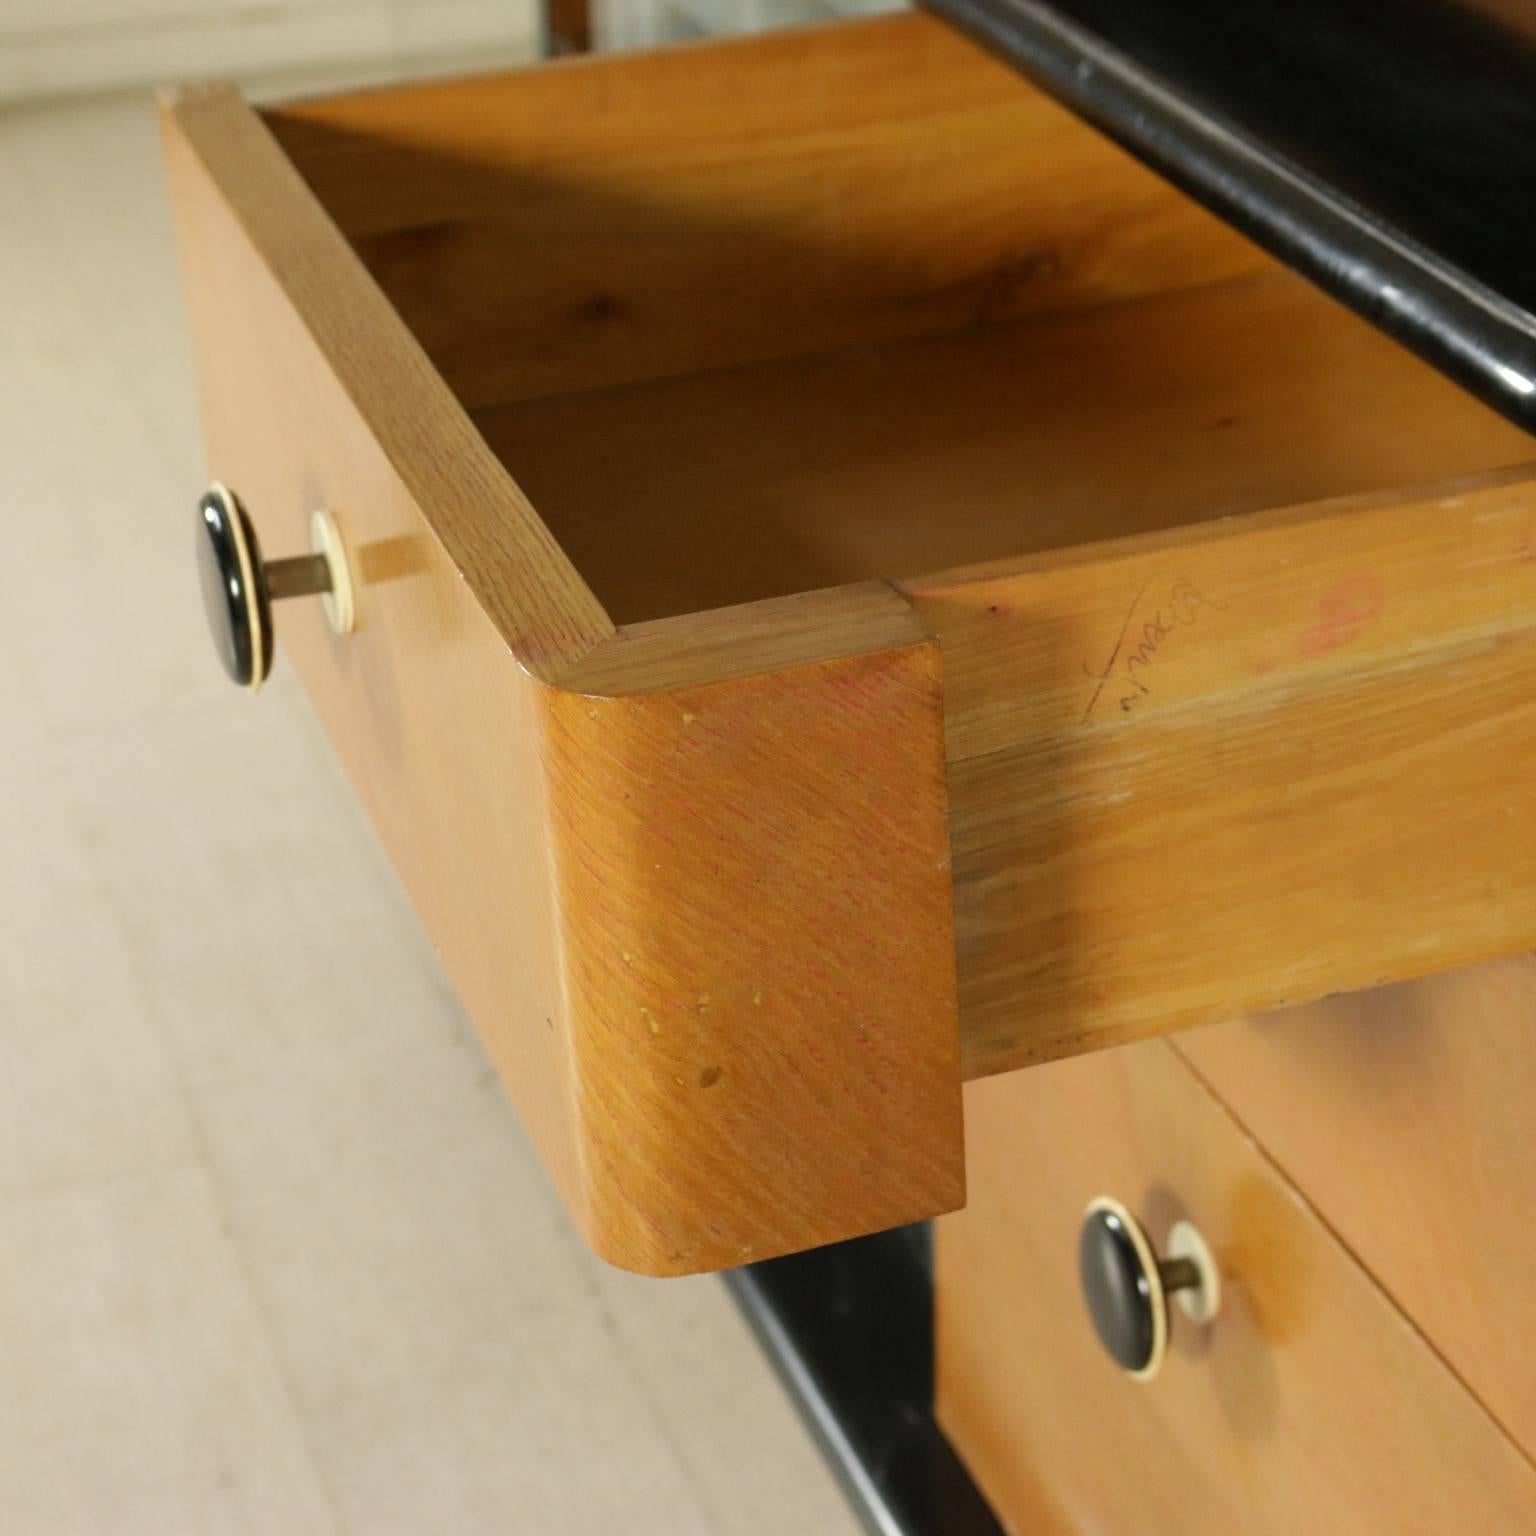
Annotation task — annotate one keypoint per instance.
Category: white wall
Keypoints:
(61, 47)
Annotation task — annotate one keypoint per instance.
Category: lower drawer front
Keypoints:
(1311, 1403)
(1416, 1148)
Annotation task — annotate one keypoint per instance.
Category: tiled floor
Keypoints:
(274, 1253)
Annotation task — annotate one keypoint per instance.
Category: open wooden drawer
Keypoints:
(682, 414)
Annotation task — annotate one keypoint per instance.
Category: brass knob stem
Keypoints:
(1179, 1274)
(298, 576)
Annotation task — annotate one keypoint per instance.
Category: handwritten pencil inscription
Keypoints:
(1127, 675)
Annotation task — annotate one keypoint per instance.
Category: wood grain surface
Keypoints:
(1415, 1148)
(1219, 770)
(1309, 1404)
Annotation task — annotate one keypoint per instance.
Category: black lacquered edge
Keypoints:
(1476, 335)
(226, 595)
(1122, 1288)
(849, 1329)
(229, 536)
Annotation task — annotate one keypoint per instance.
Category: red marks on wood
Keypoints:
(1344, 612)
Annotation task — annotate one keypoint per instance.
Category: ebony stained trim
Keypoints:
(1385, 150)
(849, 1329)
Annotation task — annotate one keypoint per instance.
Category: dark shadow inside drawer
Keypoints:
(748, 322)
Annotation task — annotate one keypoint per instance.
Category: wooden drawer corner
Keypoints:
(752, 881)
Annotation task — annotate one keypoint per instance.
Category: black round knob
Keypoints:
(239, 588)
(1127, 1287)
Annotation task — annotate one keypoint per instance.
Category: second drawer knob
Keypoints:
(1126, 1286)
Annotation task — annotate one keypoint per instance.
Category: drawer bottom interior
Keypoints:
(903, 458)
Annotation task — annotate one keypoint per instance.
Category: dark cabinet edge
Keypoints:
(1473, 333)
(849, 1330)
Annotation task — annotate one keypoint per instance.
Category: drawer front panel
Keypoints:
(1417, 1145)
(1309, 1404)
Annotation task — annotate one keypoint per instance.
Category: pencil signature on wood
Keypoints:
(1127, 673)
